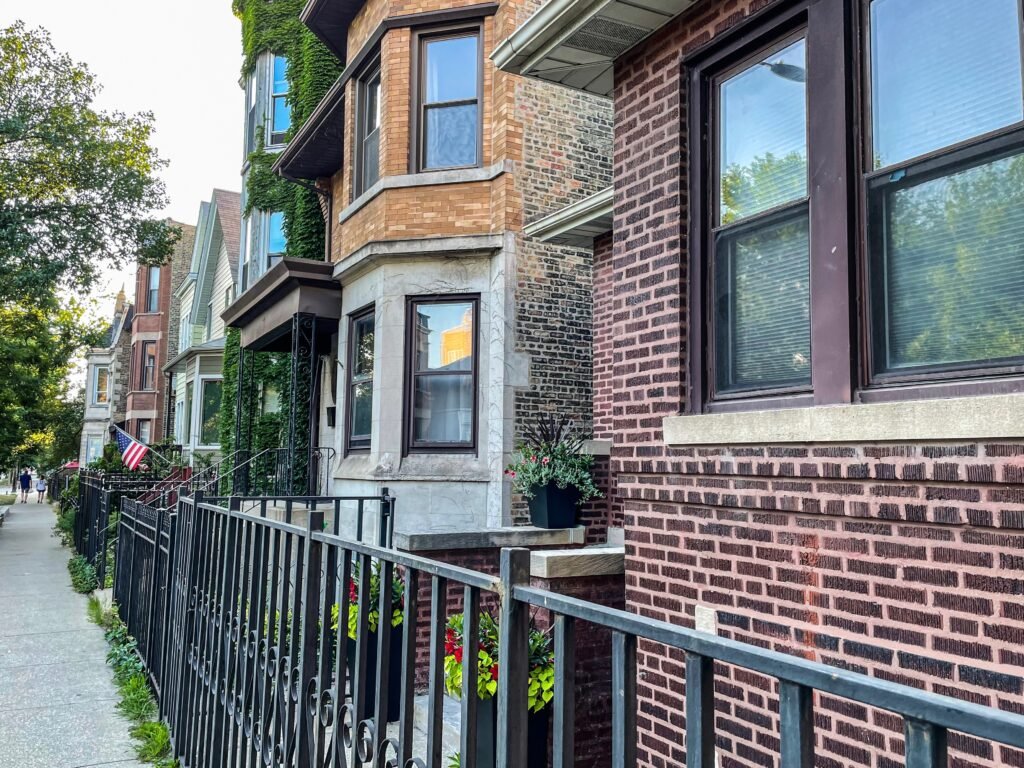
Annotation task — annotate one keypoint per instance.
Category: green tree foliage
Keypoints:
(38, 341)
(77, 185)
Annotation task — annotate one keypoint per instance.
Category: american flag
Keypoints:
(132, 451)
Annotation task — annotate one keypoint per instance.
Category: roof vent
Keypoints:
(606, 37)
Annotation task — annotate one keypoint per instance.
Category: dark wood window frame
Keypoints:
(417, 132)
(842, 244)
(358, 444)
(371, 73)
(147, 378)
(409, 445)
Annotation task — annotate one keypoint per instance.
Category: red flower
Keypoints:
(458, 655)
(545, 460)
(353, 593)
(494, 672)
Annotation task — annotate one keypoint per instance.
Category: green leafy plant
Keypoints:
(541, 676)
(373, 617)
(154, 740)
(552, 452)
(83, 575)
(137, 702)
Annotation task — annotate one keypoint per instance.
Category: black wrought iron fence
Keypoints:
(99, 501)
(261, 666)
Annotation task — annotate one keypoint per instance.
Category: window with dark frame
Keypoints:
(448, 133)
(148, 381)
(442, 373)
(361, 336)
(368, 142)
(153, 289)
(277, 239)
(939, 263)
(280, 110)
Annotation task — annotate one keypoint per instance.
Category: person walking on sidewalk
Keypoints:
(26, 483)
(40, 489)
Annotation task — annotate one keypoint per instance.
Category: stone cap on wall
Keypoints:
(490, 538)
(571, 563)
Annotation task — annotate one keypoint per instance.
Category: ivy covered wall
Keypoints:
(275, 27)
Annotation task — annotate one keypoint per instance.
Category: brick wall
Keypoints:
(566, 150)
(905, 562)
(180, 264)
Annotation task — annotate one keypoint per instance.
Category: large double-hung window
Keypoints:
(858, 239)
(448, 108)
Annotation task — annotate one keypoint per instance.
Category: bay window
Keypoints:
(442, 373)
(360, 383)
(854, 237)
(448, 96)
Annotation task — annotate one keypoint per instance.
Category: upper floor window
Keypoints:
(442, 373)
(927, 289)
(280, 110)
(360, 385)
(368, 111)
(209, 321)
(145, 431)
(153, 289)
(250, 116)
(448, 108)
(277, 239)
(148, 379)
(100, 385)
(227, 297)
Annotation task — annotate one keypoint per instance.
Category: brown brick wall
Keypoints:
(905, 562)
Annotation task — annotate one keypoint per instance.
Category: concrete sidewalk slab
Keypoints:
(57, 695)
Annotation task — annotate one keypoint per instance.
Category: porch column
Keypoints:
(303, 405)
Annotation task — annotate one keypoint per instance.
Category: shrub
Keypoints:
(83, 575)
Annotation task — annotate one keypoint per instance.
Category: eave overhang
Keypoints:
(264, 313)
(576, 224)
(214, 346)
(329, 20)
(317, 149)
(576, 42)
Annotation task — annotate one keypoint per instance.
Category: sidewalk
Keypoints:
(57, 694)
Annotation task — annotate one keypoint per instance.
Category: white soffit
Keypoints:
(575, 42)
(576, 224)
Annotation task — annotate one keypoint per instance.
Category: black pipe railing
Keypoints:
(257, 666)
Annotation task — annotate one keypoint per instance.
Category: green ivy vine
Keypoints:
(312, 69)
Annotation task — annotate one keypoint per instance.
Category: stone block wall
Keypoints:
(901, 561)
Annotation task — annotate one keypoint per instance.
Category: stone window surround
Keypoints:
(971, 418)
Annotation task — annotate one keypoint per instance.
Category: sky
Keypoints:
(180, 60)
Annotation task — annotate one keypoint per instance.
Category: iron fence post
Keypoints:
(514, 652)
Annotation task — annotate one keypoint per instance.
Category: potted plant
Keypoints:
(553, 473)
(539, 694)
(394, 624)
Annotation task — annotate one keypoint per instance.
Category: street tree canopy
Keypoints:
(77, 185)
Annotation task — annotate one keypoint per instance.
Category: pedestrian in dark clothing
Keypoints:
(26, 484)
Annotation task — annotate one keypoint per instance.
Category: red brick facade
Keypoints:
(902, 561)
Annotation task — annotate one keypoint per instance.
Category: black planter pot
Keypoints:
(394, 673)
(554, 507)
(538, 725)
